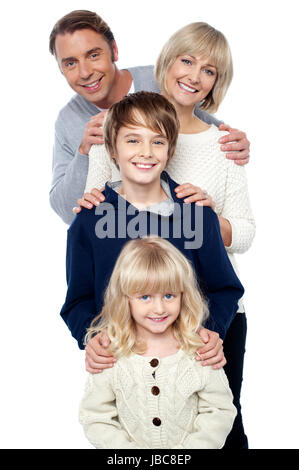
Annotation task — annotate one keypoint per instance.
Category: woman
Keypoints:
(195, 69)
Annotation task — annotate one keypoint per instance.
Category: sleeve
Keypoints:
(69, 171)
(237, 209)
(206, 117)
(99, 416)
(218, 279)
(80, 306)
(99, 168)
(216, 413)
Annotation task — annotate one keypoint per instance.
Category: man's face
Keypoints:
(84, 58)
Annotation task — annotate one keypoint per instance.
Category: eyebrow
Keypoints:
(206, 65)
(132, 134)
(91, 51)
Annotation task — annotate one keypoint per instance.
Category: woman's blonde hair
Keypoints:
(149, 265)
(203, 40)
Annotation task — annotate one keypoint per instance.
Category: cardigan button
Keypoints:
(157, 421)
(155, 390)
(154, 362)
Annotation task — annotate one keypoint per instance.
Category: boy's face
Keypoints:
(84, 58)
(141, 154)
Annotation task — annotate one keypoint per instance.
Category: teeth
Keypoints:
(92, 84)
(143, 165)
(185, 87)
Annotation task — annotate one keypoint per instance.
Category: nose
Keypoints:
(146, 150)
(194, 75)
(158, 306)
(85, 70)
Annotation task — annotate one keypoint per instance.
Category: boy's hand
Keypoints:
(212, 352)
(93, 133)
(90, 199)
(96, 356)
(194, 194)
(236, 143)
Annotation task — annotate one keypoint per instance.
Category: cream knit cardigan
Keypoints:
(198, 160)
(193, 408)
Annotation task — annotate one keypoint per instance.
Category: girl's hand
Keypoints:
(96, 356)
(236, 143)
(212, 352)
(90, 199)
(194, 194)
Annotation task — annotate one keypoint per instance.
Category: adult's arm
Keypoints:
(216, 413)
(80, 306)
(218, 279)
(99, 168)
(99, 416)
(237, 209)
(69, 170)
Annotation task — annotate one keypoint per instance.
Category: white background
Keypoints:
(42, 370)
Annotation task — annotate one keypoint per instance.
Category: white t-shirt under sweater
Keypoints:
(198, 160)
(157, 403)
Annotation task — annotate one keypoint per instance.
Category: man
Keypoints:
(86, 52)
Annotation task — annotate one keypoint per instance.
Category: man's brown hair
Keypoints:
(81, 19)
(146, 109)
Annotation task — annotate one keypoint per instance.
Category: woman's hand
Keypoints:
(96, 356)
(236, 143)
(89, 200)
(194, 194)
(212, 352)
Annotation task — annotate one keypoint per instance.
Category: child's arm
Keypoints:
(99, 416)
(217, 277)
(80, 306)
(216, 413)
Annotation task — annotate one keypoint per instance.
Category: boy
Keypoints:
(140, 135)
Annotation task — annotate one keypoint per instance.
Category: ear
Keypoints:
(115, 51)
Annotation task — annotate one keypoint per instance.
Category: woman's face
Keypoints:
(190, 79)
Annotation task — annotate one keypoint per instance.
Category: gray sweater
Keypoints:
(70, 167)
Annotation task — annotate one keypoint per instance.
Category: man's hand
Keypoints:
(96, 356)
(93, 133)
(212, 352)
(236, 143)
(90, 199)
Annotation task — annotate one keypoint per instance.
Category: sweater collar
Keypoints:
(112, 196)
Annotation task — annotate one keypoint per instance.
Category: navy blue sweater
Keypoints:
(91, 259)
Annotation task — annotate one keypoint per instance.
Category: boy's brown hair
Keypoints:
(146, 109)
(81, 19)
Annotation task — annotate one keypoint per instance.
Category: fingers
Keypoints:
(96, 356)
(240, 156)
(90, 199)
(76, 210)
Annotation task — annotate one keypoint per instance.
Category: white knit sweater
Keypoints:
(198, 160)
(169, 403)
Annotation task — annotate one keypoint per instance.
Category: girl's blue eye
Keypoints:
(186, 61)
(168, 296)
(209, 72)
(145, 297)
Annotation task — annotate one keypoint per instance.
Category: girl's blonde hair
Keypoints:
(203, 40)
(146, 266)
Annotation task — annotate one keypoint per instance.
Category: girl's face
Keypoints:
(190, 79)
(154, 313)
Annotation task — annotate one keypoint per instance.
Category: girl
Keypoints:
(156, 395)
(195, 69)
